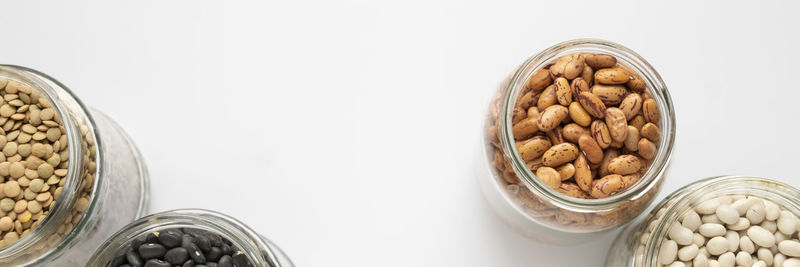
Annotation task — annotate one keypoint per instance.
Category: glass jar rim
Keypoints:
(756, 186)
(49, 88)
(656, 87)
(231, 228)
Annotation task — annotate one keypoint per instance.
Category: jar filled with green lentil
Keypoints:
(69, 175)
(189, 237)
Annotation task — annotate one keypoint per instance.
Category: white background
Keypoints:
(346, 131)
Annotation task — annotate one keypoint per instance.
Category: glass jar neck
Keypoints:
(687, 197)
(626, 57)
(259, 250)
(51, 233)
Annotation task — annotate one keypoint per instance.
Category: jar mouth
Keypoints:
(48, 87)
(655, 86)
(237, 232)
(709, 188)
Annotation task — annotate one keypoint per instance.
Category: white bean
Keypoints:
(725, 200)
(744, 259)
(760, 264)
(733, 240)
(712, 229)
(727, 259)
(792, 262)
(756, 213)
(789, 248)
(691, 220)
(797, 222)
(707, 207)
(761, 236)
(745, 244)
(668, 252)
(688, 253)
(742, 205)
(765, 255)
(713, 263)
(677, 264)
(717, 245)
(711, 218)
(741, 224)
(700, 261)
(680, 234)
(699, 239)
(727, 214)
(787, 223)
(703, 251)
(778, 260)
(772, 211)
(770, 226)
(780, 237)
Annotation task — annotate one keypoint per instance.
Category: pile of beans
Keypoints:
(185, 247)
(729, 231)
(33, 162)
(586, 126)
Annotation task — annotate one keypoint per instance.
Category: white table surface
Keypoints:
(345, 131)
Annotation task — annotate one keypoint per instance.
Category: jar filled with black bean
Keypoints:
(188, 237)
(69, 175)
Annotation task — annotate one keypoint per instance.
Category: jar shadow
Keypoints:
(521, 250)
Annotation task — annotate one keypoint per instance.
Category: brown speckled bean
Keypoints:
(599, 61)
(560, 154)
(611, 76)
(551, 117)
(609, 94)
(601, 134)
(607, 186)
(592, 104)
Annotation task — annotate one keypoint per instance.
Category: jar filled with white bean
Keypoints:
(721, 221)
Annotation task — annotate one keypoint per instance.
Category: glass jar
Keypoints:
(535, 210)
(258, 249)
(639, 242)
(104, 183)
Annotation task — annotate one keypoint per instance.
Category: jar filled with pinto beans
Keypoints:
(577, 141)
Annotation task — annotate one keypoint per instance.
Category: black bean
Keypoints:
(177, 255)
(151, 238)
(117, 260)
(226, 249)
(194, 231)
(212, 264)
(186, 241)
(216, 240)
(170, 239)
(138, 242)
(152, 251)
(125, 265)
(157, 263)
(240, 260)
(203, 242)
(134, 259)
(225, 261)
(196, 254)
(214, 254)
(189, 263)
